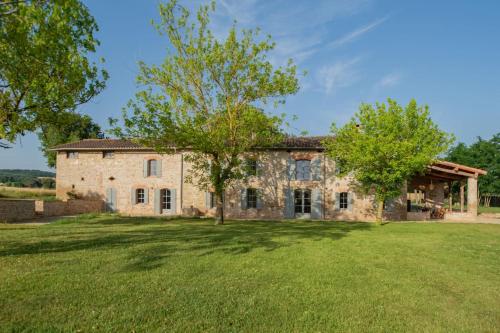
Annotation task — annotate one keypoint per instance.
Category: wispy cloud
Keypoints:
(341, 74)
(357, 33)
(389, 80)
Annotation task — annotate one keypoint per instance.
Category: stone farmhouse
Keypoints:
(292, 180)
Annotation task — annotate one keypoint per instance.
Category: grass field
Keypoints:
(112, 274)
(27, 193)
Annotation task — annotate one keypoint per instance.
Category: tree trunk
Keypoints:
(380, 211)
(219, 215)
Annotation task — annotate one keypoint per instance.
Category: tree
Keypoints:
(483, 154)
(45, 68)
(384, 145)
(208, 96)
(76, 127)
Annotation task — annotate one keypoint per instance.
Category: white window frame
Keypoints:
(302, 202)
(344, 200)
(108, 154)
(140, 196)
(166, 199)
(251, 198)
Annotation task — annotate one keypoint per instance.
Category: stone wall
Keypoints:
(16, 210)
(19, 210)
(70, 207)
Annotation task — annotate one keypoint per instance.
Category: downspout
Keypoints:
(181, 189)
(324, 185)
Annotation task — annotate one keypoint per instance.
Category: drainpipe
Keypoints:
(324, 185)
(181, 189)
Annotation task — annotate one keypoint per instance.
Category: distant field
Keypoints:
(27, 193)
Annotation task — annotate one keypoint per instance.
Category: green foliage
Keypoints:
(24, 178)
(76, 127)
(384, 145)
(482, 154)
(208, 96)
(44, 64)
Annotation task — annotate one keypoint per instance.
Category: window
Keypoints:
(166, 199)
(251, 167)
(302, 199)
(303, 169)
(343, 200)
(212, 202)
(139, 196)
(251, 198)
(152, 168)
(108, 154)
(72, 154)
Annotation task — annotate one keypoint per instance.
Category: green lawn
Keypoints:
(111, 274)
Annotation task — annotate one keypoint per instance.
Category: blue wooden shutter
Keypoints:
(208, 200)
(157, 201)
(350, 201)
(145, 168)
(316, 204)
(259, 199)
(291, 169)
(158, 167)
(337, 201)
(173, 202)
(244, 198)
(146, 196)
(132, 197)
(316, 168)
(289, 208)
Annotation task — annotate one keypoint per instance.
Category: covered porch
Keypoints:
(429, 195)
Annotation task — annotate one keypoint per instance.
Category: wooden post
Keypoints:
(450, 197)
(462, 191)
(472, 196)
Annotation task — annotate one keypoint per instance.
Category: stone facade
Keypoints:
(116, 176)
(16, 210)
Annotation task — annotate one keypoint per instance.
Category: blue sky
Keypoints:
(443, 53)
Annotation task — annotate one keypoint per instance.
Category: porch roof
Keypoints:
(449, 171)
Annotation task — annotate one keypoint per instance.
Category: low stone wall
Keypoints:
(70, 207)
(19, 210)
(16, 210)
(418, 216)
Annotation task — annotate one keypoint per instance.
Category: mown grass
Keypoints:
(28, 193)
(113, 274)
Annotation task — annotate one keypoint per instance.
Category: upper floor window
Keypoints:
(251, 167)
(152, 168)
(344, 202)
(303, 169)
(302, 201)
(251, 198)
(139, 196)
(108, 154)
(72, 154)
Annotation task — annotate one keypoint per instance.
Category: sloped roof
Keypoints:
(291, 142)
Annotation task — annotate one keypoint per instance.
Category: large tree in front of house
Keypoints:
(208, 96)
(384, 145)
(45, 64)
(76, 127)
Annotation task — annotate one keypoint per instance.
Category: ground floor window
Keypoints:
(139, 196)
(343, 204)
(166, 199)
(251, 198)
(302, 199)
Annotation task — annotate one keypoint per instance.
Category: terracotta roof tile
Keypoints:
(291, 142)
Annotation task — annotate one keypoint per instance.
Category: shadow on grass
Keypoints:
(151, 241)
